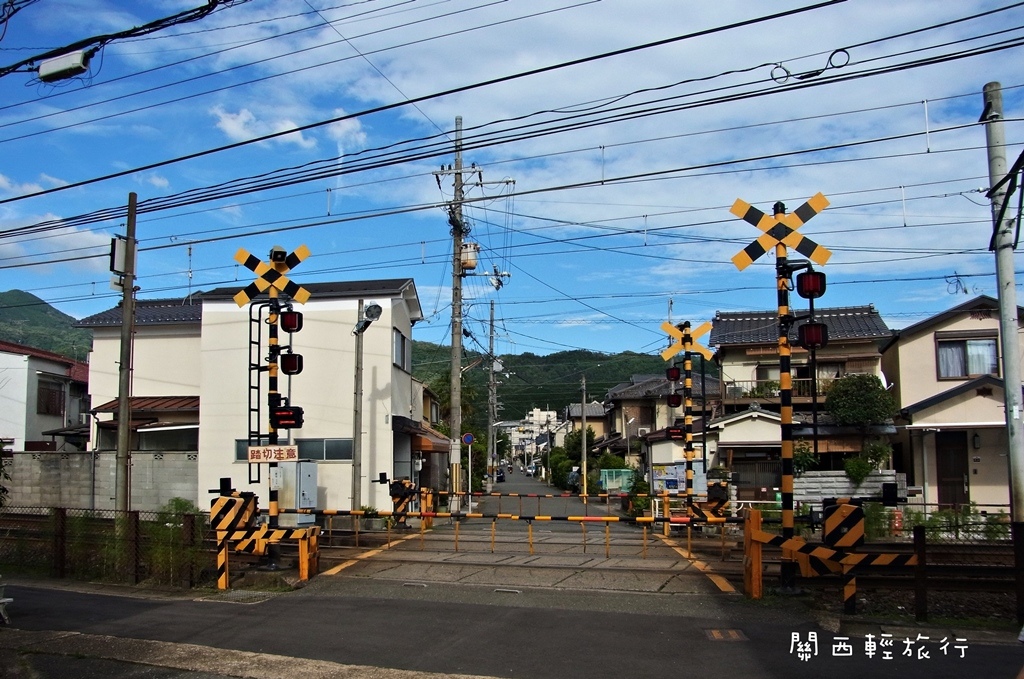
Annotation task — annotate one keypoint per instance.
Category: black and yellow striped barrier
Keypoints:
(816, 559)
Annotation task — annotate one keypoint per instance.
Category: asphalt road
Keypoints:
(366, 622)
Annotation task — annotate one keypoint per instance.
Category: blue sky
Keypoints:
(607, 175)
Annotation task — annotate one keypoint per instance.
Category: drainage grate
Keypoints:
(241, 596)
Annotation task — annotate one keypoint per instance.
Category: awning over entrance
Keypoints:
(424, 439)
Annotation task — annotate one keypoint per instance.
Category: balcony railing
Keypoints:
(766, 389)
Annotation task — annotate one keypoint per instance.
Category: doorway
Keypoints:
(951, 469)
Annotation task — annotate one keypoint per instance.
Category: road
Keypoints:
(496, 618)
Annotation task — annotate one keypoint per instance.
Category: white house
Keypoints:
(208, 351)
(43, 396)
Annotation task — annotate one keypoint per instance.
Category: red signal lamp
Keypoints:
(812, 335)
(810, 284)
(291, 364)
(675, 400)
(291, 321)
(673, 373)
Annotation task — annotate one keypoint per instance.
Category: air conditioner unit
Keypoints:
(643, 431)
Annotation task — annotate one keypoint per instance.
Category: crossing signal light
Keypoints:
(675, 433)
(672, 374)
(812, 335)
(810, 284)
(291, 364)
(291, 321)
(286, 417)
(675, 400)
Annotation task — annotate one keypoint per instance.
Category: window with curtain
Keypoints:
(961, 358)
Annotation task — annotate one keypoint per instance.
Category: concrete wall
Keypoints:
(85, 480)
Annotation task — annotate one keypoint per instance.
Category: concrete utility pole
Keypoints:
(1003, 243)
(458, 230)
(124, 373)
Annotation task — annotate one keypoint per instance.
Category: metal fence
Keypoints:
(158, 548)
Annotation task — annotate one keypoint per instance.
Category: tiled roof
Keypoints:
(594, 410)
(647, 386)
(389, 287)
(761, 327)
(150, 312)
(77, 370)
(162, 404)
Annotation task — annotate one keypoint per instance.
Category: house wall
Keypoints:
(165, 358)
(14, 398)
(911, 363)
(325, 391)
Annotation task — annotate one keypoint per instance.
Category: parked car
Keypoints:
(500, 476)
(530, 470)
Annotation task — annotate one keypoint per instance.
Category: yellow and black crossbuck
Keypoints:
(271, 275)
(780, 229)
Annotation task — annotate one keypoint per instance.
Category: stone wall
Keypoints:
(85, 480)
(811, 487)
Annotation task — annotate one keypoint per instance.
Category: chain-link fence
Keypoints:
(158, 548)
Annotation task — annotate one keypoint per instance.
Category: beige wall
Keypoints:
(325, 391)
(911, 363)
(166, 359)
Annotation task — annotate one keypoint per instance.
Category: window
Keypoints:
(50, 398)
(967, 357)
(402, 351)
(324, 449)
(185, 438)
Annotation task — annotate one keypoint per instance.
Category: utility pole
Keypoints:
(583, 439)
(1003, 244)
(492, 402)
(458, 230)
(124, 373)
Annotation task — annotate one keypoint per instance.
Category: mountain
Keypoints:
(28, 320)
(528, 381)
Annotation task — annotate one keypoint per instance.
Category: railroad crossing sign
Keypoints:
(272, 275)
(678, 335)
(780, 230)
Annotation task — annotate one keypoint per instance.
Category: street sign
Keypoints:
(273, 453)
(468, 439)
(782, 231)
(271, 275)
(678, 335)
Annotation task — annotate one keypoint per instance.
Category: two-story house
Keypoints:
(746, 435)
(201, 351)
(946, 375)
(639, 413)
(45, 399)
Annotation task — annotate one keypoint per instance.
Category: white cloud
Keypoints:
(244, 125)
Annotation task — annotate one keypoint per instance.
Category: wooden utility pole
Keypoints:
(124, 373)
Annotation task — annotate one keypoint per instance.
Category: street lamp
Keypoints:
(365, 317)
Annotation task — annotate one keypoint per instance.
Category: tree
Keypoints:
(862, 402)
(572, 444)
